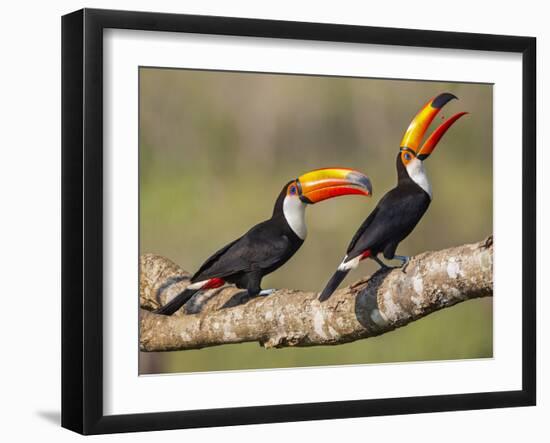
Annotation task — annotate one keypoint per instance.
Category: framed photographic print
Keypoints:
(283, 212)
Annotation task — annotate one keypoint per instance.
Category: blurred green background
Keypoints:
(217, 147)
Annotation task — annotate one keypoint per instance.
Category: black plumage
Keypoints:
(263, 249)
(390, 222)
(393, 219)
(400, 210)
(245, 261)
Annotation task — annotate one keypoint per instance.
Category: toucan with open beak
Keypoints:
(399, 211)
(270, 244)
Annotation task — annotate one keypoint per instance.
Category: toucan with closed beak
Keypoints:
(399, 210)
(271, 243)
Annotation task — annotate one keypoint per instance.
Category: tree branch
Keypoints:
(372, 306)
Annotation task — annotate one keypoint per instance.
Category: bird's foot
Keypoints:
(382, 265)
(266, 292)
(404, 262)
(402, 258)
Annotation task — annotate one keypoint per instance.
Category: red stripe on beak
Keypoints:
(430, 144)
(325, 193)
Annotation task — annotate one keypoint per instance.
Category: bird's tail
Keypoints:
(177, 302)
(333, 283)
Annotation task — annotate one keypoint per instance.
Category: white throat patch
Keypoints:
(295, 214)
(417, 173)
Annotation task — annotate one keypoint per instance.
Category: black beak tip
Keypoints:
(369, 187)
(361, 180)
(442, 99)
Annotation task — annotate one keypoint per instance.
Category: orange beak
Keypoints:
(420, 123)
(322, 184)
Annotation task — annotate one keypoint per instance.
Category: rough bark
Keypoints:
(371, 306)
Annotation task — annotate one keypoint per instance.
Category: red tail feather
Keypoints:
(213, 283)
(365, 254)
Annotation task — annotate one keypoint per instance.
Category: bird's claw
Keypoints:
(402, 258)
(404, 262)
(382, 265)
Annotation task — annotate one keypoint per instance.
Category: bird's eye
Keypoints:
(407, 156)
(292, 190)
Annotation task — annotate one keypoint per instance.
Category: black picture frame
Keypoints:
(82, 220)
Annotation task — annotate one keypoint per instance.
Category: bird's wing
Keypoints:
(362, 230)
(253, 251)
(211, 262)
(392, 215)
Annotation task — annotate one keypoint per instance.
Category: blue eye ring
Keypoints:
(293, 190)
(407, 156)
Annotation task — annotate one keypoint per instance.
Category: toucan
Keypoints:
(401, 208)
(271, 243)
